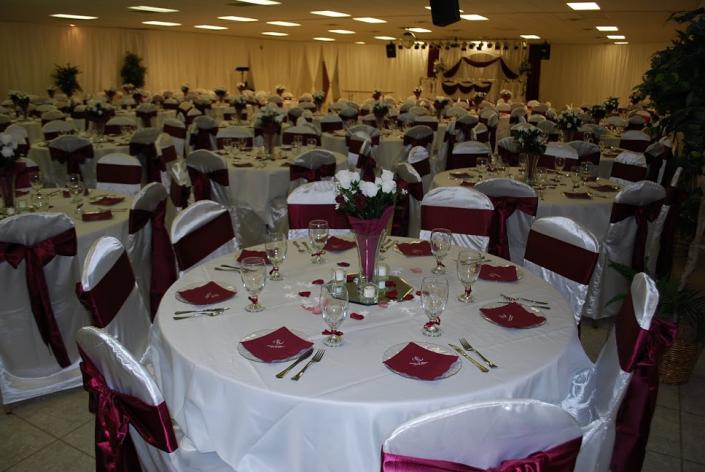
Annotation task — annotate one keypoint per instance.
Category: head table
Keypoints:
(337, 416)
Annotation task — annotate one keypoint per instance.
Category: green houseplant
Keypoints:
(132, 70)
(65, 77)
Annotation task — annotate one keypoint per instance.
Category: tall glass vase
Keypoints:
(532, 161)
(269, 133)
(7, 186)
(369, 235)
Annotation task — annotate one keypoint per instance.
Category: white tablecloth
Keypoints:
(337, 416)
(34, 129)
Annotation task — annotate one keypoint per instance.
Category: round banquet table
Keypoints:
(337, 416)
(593, 213)
(33, 126)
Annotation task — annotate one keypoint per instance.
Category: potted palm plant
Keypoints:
(132, 71)
(65, 78)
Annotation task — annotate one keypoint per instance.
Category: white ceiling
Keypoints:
(639, 20)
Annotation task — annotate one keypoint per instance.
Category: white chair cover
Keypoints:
(118, 159)
(202, 123)
(406, 172)
(122, 121)
(207, 232)
(52, 115)
(460, 198)
(417, 156)
(124, 373)
(504, 107)
(472, 147)
(519, 223)
(482, 435)
(629, 158)
(509, 144)
(548, 127)
(584, 148)
(427, 120)
(491, 116)
(331, 121)
(597, 392)
(70, 143)
(177, 130)
(565, 150)
(456, 112)
(130, 323)
(535, 118)
(419, 111)
(635, 135)
(568, 231)
(18, 132)
(316, 193)
(235, 132)
(29, 368)
(618, 246)
(479, 132)
(206, 162)
(56, 127)
(617, 121)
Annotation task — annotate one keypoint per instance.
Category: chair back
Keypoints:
(147, 112)
(209, 176)
(314, 201)
(116, 125)
(52, 115)
(508, 150)
(555, 149)
(55, 128)
(177, 130)
(25, 169)
(425, 120)
(407, 215)
(419, 135)
(587, 152)
(234, 133)
(331, 122)
(21, 136)
(305, 132)
(628, 167)
(634, 140)
(313, 165)
(71, 152)
(120, 173)
(465, 154)
(203, 132)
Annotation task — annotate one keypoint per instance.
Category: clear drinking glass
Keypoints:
(440, 245)
(481, 163)
(276, 245)
(318, 235)
(334, 310)
(36, 182)
(468, 266)
(434, 297)
(254, 277)
(560, 164)
(575, 178)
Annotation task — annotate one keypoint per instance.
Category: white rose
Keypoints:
(387, 175)
(369, 189)
(7, 152)
(343, 178)
(389, 186)
(354, 177)
(5, 138)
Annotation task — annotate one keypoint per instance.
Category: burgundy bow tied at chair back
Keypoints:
(472, 221)
(635, 145)
(202, 241)
(146, 117)
(643, 215)
(73, 159)
(175, 131)
(311, 175)
(36, 257)
(632, 173)
(504, 207)
(301, 214)
(118, 174)
(105, 299)
(147, 153)
(201, 139)
(328, 126)
(24, 173)
(201, 181)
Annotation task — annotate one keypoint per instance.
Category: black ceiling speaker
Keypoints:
(545, 51)
(391, 51)
(444, 12)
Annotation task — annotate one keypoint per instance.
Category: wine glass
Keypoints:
(434, 296)
(75, 186)
(35, 180)
(481, 163)
(559, 164)
(276, 245)
(575, 178)
(298, 141)
(440, 245)
(254, 277)
(318, 235)
(468, 266)
(585, 172)
(334, 310)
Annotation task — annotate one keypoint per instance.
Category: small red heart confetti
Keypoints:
(305, 293)
(318, 282)
(392, 294)
(408, 296)
(343, 264)
(356, 316)
(390, 283)
(416, 270)
(418, 293)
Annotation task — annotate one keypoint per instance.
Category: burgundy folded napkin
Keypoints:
(578, 195)
(421, 248)
(467, 183)
(605, 188)
(337, 244)
(206, 294)
(460, 175)
(244, 164)
(21, 193)
(108, 201)
(247, 253)
(277, 345)
(512, 315)
(97, 215)
(498, 273)
(420, 363)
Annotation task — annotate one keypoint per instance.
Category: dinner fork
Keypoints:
(466, 345)
(199, 313)
(316, 358)
(537, 303)
(218, 310)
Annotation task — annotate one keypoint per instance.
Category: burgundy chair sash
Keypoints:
(198, 244)
(560, 458)
(639, 352)
(154, 165)
(643, 216)
(593, 157)
(300, 215)
(49, 135)
(78, 115)
(73, 159)
(423, 142)
(508, 157)
(628, 172)
(36, 257)
(327, 126)
(355, 143)
(175, 131)
(549, 162)
(146, 117)
(201, 139)
(422, 167)
(634, 145)
(168, 155)
(431, 124)
(572, 262)
(368, 165)
(163, 272)
(114, 413)
(23, 174)
(504, 207)
(201, 181)
(459, 161)
(179, 194)
(400, 222)
(170, 106)
(118, 174)
(107, 297)
(471, 221)
(23, 149)
(117, 129)
(311, 175)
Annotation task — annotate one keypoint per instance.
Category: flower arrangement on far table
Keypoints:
(138, 95)
(99, 113)
(636, 97)
(418, 90)
(241, 86)
(280, 89)
(569, 122)
(479, 97)
(185, 87)
(439, 103)
(51, 91)
(532, 143)
(220, 92)
(21, 101)
(611, 104)
(269, 120)
(598, 112)
(380, 110)
(128, 88)
(110, 93)
(319, 96)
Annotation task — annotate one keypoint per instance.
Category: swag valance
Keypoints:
(508, 73)
(465, 87)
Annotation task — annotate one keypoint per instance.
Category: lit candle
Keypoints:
(339, 275)
(382, 270)
(369, 291)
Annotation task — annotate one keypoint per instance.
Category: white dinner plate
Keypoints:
(263, 332)
(225, 285)
(536, 311)
(452, 370)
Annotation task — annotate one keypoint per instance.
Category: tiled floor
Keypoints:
(55, 433)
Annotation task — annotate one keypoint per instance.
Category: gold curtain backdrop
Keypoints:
(575, 73)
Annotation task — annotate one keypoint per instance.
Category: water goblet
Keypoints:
(334, 310)
(74, 186)
(254, 277)
(440, 245)
(481, 163)
(35, 180)
(575, 178)
(468, 267)
(275, 245)
(559, 164)
(318, 235)
(434, 297)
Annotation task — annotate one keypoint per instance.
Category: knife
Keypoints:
(301, 358)
(460, 351)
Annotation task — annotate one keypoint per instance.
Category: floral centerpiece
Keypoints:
(478, 98)
(269, 120)
(611, 104)
(280, 89)
(138, 95)
(99, 113)
(185, 87)
(8, 158)
(239, 103)
(439, 103)
(369, 207)
(569, 121)
(128, 88)
(598, 112)
(380, 110)
(418, 90)
(110, 93)
(319, 96)
(636, 97)
(21, 102)
(439, 67)
(505, 94)
(531, 142)
(221, 93)
(376, 94)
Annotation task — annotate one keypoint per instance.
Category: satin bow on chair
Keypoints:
(504, 207)
(643, 216)
(201, 181)
(311, 175)
(73, 159)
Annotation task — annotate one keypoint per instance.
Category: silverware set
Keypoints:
(534, 303)
(183, 314)
(467, 347)
(316, 358)
(298, 361)
(302, 246)
(228, 268)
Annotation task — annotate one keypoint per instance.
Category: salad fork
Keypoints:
(466, 345)
(316, 358)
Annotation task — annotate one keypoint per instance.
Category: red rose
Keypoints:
(339, 200)
(359, 201)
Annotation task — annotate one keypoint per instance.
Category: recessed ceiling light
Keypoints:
(333, 14)
(321, 38)
(529, 36)
(606, 28)
(386, 38)
(74, 17)
(152, 9)
(282, 23)
(72, 25)
(621, 42)
(338, 31)
(367, 19)
(211, 27)
(583, 5)
(274, 33)
(260, 2)
(418, 30)
(359, 42)
(616, 36)
(473, 17)
(160, 23)
(428, 8)
(236, 18)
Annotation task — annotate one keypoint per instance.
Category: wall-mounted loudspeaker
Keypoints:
(445, 12)
(391, 50)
